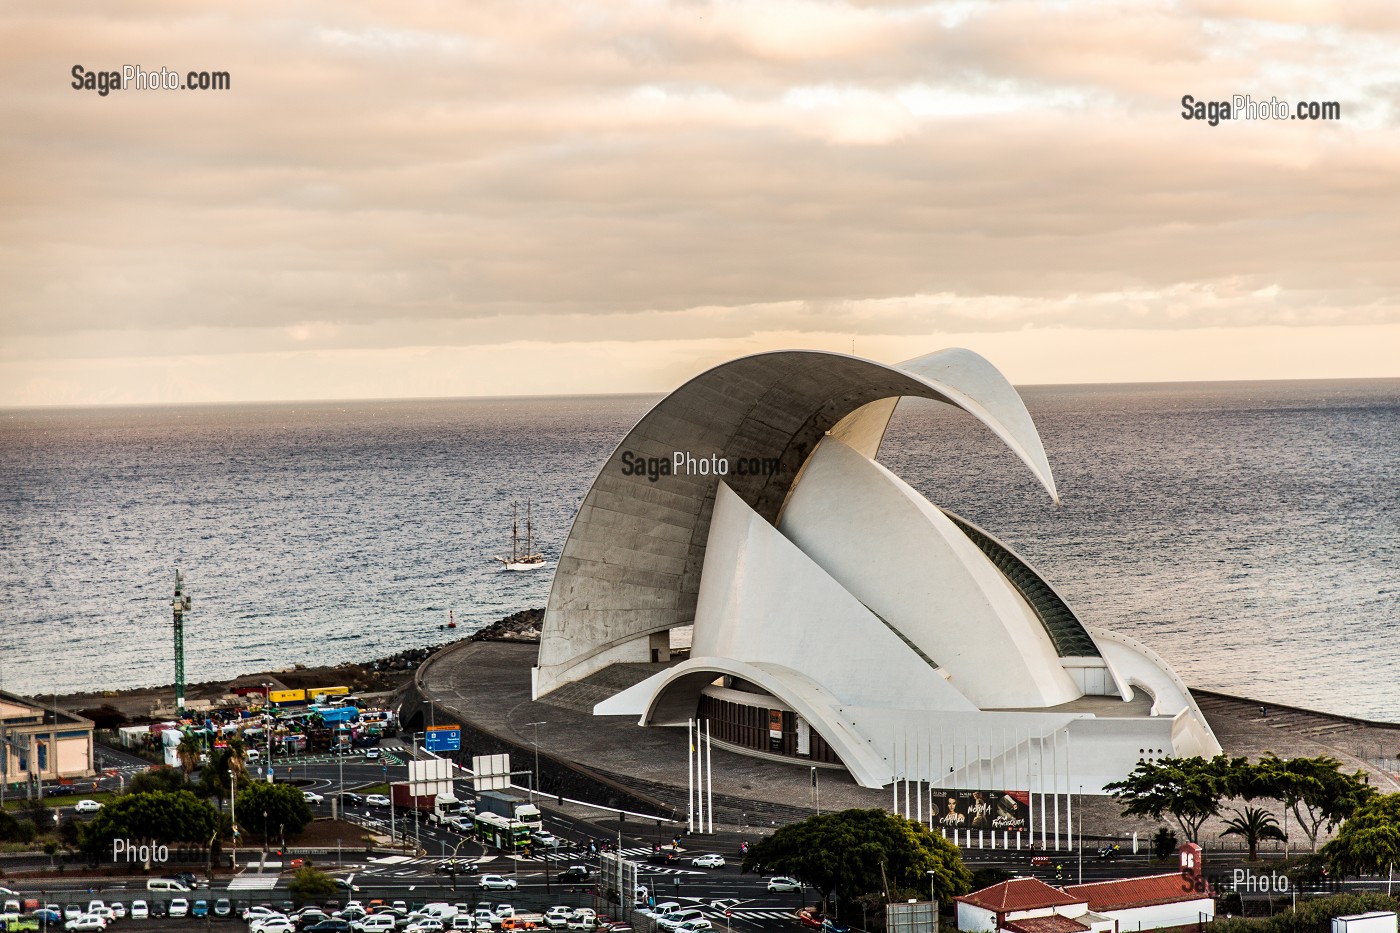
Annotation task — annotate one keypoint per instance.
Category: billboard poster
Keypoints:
(775, 730)
(1008, 810)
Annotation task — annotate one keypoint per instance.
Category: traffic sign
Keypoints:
(443, 739)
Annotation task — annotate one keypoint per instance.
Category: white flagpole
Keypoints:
(918, 780)
(690, 769)
(1055, 769)
(709, 778)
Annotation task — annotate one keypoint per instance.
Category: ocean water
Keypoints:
(1249, 532)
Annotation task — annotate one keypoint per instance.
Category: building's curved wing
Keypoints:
(631, 565)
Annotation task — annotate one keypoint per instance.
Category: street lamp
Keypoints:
(536, 782)
(931, 876)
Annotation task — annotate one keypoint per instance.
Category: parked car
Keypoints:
(496, 883)
(260, 912)
(139, 910)
(200, 909)
(159, 909)
(86, 922)
(782, 883)
(377, 800)
(381, 921)
(223, 907)
(425, 925)
(179, 907)
(87, 806)
(72, 911)
(331, 925)
(708, 861)
(118, 910)
(269, 922)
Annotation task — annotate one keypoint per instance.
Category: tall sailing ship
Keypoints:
(529, 558)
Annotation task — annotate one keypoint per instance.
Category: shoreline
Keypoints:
(378, 677)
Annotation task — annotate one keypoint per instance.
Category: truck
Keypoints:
(511, 807)
(435, 808)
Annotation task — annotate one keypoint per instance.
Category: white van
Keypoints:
(165, 884)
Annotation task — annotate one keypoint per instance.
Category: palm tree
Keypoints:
(1253, 825)
(189, 750)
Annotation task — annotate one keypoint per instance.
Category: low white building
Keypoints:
(1125, 905)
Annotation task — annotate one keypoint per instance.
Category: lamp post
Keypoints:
(536, 782)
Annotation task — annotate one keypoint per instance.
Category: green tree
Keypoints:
(189, 750)
(1253, 824)
(161, 777)
(225, 766)
(311, 885)
(272, 809)
(1189, 789)
(1369, 842)
(1164, 842)
(856, 852)
(1315, 790)
(150, 818)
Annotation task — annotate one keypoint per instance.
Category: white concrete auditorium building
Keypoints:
(840, 618)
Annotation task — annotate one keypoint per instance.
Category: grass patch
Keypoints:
(60, 800)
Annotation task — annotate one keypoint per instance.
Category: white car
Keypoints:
(377, 800)
(548, 840)
(179, 907)
(695, 925)
(139, 910)
(708, 861)
(783, 884)
(375, 923)
(426, 925)
(274, 925)
(310, 797)
(87, 806)
(259, 913)
(86, 922)
(660, 910)
(371, 754)
(118, 910)
(496, 883)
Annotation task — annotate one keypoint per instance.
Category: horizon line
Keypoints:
(60, 406)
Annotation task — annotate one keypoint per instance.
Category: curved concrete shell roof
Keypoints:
(632, 562)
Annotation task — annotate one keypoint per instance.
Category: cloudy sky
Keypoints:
(432, 199)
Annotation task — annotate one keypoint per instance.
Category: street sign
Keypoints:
(443, 739)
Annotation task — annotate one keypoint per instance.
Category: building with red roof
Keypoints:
(1125, 905)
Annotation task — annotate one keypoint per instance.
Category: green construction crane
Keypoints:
(181, 605)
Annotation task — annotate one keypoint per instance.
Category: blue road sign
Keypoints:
(443, 739)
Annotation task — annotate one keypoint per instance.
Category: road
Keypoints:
(415, 879)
